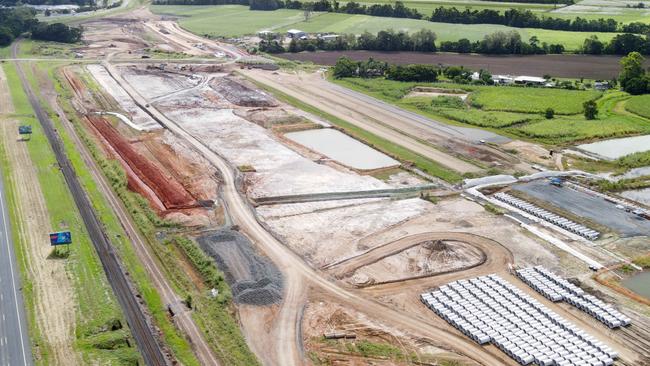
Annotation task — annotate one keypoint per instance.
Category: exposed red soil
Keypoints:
(143, 176)
(569, 66)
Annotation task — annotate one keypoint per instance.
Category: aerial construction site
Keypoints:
(317, 219)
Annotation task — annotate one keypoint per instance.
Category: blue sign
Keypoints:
(60, 238)
(24, 130)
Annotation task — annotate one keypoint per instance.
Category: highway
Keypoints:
(15, 348)
(134, 314)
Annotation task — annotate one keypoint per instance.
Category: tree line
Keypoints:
(498, 43)
(423, 40)
(16, 21)
(521, 19)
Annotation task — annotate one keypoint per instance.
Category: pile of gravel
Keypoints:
(253, 278)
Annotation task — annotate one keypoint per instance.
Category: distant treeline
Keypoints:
(47, 2)
(552, 2)
(16, 21)
(512, 17)
(347, 68)
(498, 43)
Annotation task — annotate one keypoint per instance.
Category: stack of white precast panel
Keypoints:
(556, 288)
(554, 219)
(488, 309)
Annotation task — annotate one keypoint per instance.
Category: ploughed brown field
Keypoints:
(564, 66)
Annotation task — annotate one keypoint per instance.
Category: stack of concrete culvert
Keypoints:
(545, 215)
(488, 309)
(556, 288)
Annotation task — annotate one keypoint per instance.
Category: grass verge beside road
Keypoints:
(400, 153)
(98, 314)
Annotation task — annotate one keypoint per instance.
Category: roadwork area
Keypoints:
(346, 265)
(588, 206)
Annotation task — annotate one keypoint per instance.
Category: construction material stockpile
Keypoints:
(253, 278)
(167, 190)
(556, 288)
(488, 309)
(545, 215)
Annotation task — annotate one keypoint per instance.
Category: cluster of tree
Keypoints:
(554, 2)
(500, 43)
(19, 20)
(418, 73)
(345, 67)
(57, 32)
(45, 2)
(421, 41)
(389, 40)
(521, 19)
(633, 77)
(621, 44)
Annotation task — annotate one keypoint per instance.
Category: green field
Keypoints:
(531, 100)
(640, 105)
(237, 20)
(498, 102)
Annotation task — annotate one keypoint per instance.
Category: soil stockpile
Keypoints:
(169, 191)
(254, 279)
(241, 95)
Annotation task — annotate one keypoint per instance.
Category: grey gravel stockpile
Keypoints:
(254, 279)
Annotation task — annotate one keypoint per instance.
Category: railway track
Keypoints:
(144, 337)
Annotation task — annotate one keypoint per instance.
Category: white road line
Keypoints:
(13, 280)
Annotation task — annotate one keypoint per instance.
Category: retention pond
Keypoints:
(342, 148)
(615, 148)
(639, 283)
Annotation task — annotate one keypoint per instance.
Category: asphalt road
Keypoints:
(588, 206)
(14, 340)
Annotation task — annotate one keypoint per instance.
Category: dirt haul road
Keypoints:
(379, 118)
(298, 275)
(172, 32)
(53, 294)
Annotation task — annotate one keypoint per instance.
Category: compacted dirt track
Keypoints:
(496, 251)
